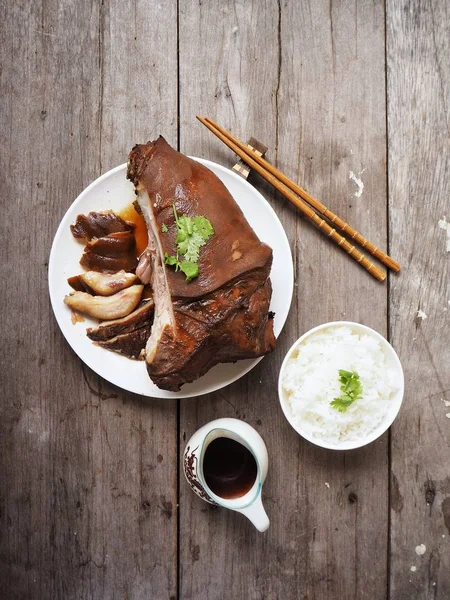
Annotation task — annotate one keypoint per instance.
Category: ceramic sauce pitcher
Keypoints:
(225, 463)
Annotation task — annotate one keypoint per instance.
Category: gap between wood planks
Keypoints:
(388, 307)
(178, 566)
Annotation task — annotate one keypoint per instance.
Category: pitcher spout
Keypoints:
(256, 514)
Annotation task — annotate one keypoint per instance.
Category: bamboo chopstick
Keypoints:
(321, 208)
(299, 203)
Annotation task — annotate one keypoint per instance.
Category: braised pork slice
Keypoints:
(111, 253)
(223, 314)
(142, 316)
(102, 284)
(128, 335)
(130, 344)
(98, 224)
(111, 244)
(106, 307)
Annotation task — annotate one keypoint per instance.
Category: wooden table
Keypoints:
(93, 503)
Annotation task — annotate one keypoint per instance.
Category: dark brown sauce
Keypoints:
(130, 214)
(229, 468)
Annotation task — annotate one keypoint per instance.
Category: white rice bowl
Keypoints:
(309, 381)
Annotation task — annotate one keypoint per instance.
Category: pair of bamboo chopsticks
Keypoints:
(306, 204)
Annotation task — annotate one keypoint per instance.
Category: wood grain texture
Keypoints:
(418, 44)
(88, 491)
(139, 100)
(88, 473)
(308, 82)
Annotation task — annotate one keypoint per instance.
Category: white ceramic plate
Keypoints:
(113, 191)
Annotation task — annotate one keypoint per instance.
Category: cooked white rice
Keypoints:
(311, 381)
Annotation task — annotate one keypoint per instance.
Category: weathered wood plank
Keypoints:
(88, 488)
(139, 101)
(307, 79)
(44, 454)
(418, 46)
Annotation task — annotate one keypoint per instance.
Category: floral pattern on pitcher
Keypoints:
(190, 470)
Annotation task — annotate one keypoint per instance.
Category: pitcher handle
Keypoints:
(256, 514)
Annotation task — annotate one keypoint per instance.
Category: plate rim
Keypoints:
(164, 394)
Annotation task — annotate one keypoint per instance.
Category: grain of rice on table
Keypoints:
(311, 381)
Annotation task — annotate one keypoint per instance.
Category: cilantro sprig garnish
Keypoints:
(351, 389)
(192, 234)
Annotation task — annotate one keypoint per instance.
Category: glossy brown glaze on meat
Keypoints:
(143, 315)
(128, 335)
(227, 325)
(98, 224)
(111, 253)
(223, 314)
(130, 344)
(107, 264)
(111, 245)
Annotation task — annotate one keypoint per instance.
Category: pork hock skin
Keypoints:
(223, 314)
